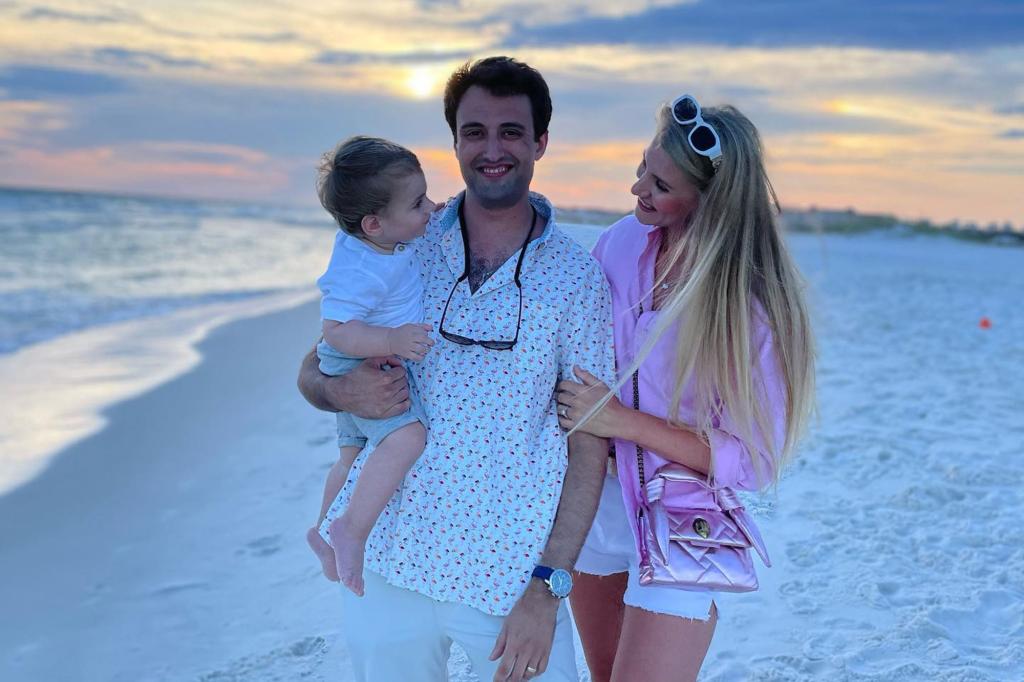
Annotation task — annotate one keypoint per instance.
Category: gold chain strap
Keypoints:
(636, 406)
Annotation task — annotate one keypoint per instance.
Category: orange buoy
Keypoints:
(985, 323)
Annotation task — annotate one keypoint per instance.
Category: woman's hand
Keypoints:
(575, 400)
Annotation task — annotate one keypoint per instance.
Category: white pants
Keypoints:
(397, 635)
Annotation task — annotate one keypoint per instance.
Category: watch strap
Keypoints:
(543, 572)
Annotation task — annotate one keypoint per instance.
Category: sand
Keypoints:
(169, 544)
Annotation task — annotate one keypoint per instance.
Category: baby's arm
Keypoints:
(361, 340)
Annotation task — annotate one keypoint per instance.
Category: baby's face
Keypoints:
(406, 215)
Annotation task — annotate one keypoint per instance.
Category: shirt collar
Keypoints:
(448, 217)
(454, 254)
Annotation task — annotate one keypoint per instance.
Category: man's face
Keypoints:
(495, 146)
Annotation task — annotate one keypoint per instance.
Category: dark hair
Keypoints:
(502, 77)
(357, 178)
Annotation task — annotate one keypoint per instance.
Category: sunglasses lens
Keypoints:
(685, 110)
(455, 338)
(702, 139)
(497, 345)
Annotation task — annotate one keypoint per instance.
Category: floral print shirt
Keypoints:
(472, 518)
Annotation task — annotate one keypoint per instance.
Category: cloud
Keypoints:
(277, 37)
(167, 169)
(279, 121)
(345, 58)
(24, 119)
(283, 80)
(142, 59)
(115, 16)
(935, 25)
(29, 81)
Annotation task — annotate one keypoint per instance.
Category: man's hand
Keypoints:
(375, 389)
(381, 389)
(526, 635)
(410, 341)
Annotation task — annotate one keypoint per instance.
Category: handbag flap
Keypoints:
(705, 528)
(687, 500)
(681, 488)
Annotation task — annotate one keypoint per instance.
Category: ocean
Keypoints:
(104, 297)
(71, 261)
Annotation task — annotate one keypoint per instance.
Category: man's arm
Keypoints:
(528, 631)
(375, 389)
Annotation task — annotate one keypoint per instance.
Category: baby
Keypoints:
(372, 306)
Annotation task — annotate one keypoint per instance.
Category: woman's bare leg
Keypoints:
(381, 475)
(597, 608)
(655, 647)
(336, 478)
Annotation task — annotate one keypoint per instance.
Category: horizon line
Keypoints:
(146, 196)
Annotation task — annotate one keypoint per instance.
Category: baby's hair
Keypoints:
(357, 178)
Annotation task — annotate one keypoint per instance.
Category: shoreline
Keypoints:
(169, 543)
(66, 384)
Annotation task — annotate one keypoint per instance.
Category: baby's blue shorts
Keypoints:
(358, 431)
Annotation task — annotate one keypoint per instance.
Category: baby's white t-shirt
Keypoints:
(377, 288)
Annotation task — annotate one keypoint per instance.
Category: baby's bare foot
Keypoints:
(323, 552)
(348, 555)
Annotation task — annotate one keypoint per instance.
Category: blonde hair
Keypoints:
(734, 264)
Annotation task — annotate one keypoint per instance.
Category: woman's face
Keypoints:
(664, 196)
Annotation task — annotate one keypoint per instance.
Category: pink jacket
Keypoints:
(627, 251)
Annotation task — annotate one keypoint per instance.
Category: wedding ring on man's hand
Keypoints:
(562, 412)
(529, 669)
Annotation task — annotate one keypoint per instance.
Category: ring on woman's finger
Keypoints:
(530, 670)
(563, 412)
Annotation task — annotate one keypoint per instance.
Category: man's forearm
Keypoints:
(580, 494)
(312, 386)
(375, 389)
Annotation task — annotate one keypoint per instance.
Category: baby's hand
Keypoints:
(410, 341)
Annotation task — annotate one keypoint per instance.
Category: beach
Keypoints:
(166, 542)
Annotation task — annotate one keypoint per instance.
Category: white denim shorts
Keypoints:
(610, 548)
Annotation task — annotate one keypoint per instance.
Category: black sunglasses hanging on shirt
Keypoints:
(465, 340)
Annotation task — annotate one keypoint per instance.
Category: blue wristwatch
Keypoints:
(559, 581)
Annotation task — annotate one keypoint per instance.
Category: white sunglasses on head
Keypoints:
(703, 138)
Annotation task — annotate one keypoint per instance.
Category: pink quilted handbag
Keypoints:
(693, 536)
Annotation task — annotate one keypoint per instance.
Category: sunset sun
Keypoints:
(420, 82)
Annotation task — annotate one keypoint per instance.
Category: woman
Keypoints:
(708, 310)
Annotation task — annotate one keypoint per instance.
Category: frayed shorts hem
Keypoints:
(610, 549)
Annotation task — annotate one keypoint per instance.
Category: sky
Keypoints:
(907, 107)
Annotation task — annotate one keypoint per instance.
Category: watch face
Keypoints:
(560, 582)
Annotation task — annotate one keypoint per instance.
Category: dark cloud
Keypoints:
(278, 37)
(142, 59)
(343, 58)
(114, 16)
(434, 4)
(276, 121)
(1014, 134)
(934, 25)
(50, 14)
(1011, 110)
(34, 81)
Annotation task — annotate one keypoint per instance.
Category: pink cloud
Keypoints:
(175, 169)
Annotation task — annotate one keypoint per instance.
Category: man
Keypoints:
(476, 545)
